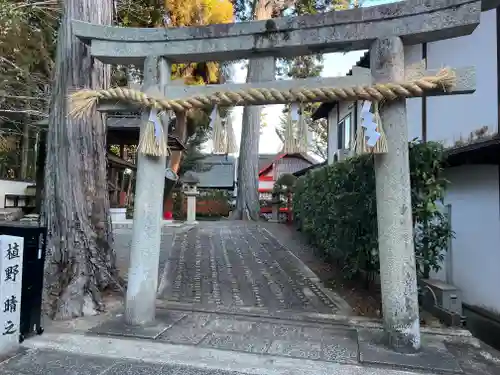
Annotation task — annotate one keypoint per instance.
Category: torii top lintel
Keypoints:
(415, 21)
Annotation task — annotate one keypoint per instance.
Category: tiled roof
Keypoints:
(307, 169)
(266, 159)
(216, 172)
(118, 162)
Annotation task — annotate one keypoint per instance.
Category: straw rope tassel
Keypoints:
(230, 137)
(152, 141)
(289, 136)
(302, 127)
(218, 139)
(381, 145)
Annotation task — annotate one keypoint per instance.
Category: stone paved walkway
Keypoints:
(49, 362)
(228, 264)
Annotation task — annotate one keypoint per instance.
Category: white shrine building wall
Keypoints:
(474, 192)
(12, 187)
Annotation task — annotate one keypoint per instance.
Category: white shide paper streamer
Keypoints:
(294, 111)
(153, 117)
(368, 122)
(213, 116)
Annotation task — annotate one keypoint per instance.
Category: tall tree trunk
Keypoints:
(175, 159)
(36, 148)
(41, 156)
(80, 259)
(259, 69)
(25, 149)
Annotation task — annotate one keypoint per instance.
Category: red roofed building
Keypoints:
(271, 167)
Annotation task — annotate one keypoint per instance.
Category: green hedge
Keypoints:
(336, 207)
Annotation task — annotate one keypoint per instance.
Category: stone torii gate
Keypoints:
(383, 29)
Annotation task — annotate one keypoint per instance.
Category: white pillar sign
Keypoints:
(11, 264)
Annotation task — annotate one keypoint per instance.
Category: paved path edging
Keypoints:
(333, 296)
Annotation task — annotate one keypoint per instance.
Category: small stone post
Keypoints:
(394, 212)
(275, 208)
(190, 180)
(191, 207)
(275, 212)
(146, 233)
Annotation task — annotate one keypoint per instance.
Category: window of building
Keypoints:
(344, 133)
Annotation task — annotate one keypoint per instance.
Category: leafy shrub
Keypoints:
(336, 207)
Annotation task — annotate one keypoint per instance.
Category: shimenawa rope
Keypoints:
(83, 102)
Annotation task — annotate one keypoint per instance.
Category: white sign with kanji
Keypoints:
(11, 264)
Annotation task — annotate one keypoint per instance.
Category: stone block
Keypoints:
(298, 349)
(227, 325)
(433, 356)
(250, 344)
(181, 335)
(118, 327)
(340, 346)
(277, 331)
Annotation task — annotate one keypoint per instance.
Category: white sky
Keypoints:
(334, 64)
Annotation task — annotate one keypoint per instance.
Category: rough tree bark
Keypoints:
(259, 69)
(80, 258)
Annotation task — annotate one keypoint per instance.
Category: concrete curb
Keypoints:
(163, 353)
(128, 224)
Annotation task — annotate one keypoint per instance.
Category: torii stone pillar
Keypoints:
(140, 303)
(394, 212)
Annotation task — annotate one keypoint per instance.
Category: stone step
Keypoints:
(217, 342)
(129, 223)
(212, 361)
